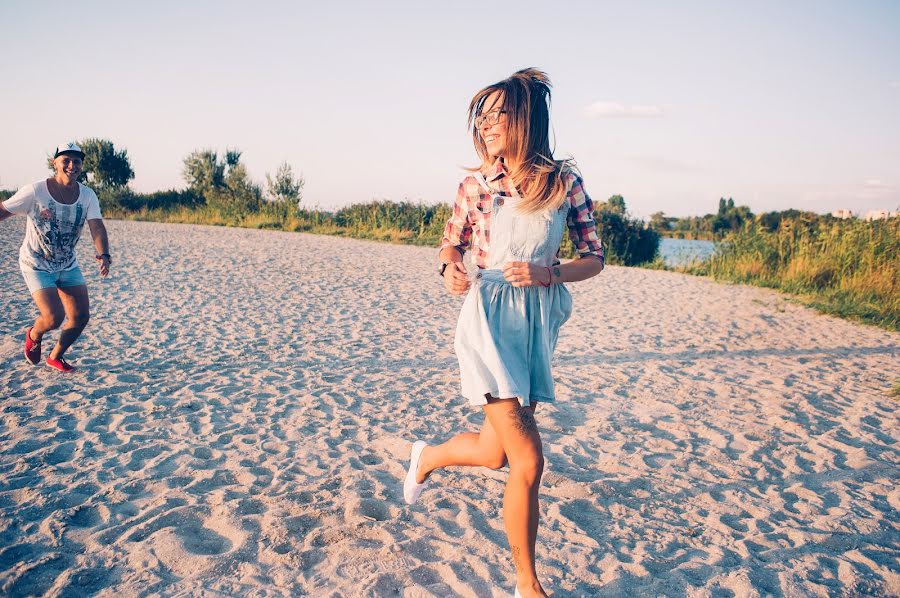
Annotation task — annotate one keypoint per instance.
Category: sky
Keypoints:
(672, 105)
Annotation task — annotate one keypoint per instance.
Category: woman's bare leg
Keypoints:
(469, 449)
(518, 434)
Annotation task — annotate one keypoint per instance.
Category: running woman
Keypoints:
(511, 213)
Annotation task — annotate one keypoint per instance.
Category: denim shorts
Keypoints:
(37, 279)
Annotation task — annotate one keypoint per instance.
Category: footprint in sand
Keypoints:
(368, 509)
(188, 528)
(584, 515)
(87, 516)
(371, 459)
(60, 453)
(17, 553)
(87, 582)
(735, 522)
(562, 487)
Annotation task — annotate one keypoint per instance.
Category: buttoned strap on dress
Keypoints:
(506, 335)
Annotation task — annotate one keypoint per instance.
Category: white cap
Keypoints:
(68, 148)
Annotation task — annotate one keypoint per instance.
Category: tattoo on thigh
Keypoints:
(523, 420)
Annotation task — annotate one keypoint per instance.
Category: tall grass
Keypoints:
(849, 268)
(403, 222)
(395, 221)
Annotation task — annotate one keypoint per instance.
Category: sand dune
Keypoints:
(242, 416)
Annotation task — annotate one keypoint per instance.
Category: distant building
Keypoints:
(880, 215)
(842, 214)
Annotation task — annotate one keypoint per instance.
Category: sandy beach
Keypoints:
(245, 401)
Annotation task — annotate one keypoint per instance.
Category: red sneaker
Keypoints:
(60, 364)
(32, 349)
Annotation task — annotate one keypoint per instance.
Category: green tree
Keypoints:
(105, 168)
(284, 187)
(730, 218)
(223, 183)
(737, 216)
(203, 172)
(614, 205)
(240, 195)
(769, 221)
(232, 157)
(659, 221)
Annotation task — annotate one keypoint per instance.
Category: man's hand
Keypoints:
(104, 262)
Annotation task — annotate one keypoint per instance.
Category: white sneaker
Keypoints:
(412, 490)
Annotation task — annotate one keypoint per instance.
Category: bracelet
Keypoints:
(547, 286)
(103, 255)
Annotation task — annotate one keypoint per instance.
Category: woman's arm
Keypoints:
(457, 239)
(576, 270)
(450, 254)
(525, 274)
(583, 234)
(456, 281)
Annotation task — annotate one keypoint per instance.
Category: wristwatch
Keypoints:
(100, 256)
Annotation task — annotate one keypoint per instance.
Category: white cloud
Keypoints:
(618, 110)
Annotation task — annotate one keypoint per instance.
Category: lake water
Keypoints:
(677, 252)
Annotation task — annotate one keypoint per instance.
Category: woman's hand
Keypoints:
(455, 279)
(525, 274)
(104, 262)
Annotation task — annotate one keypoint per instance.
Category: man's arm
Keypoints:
(101, 244)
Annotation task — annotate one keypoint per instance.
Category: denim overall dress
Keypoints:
(506, 335)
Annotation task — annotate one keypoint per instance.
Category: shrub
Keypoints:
(626, 241)
(846, 267)
(130, 201)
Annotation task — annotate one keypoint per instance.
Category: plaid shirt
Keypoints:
(470, 225)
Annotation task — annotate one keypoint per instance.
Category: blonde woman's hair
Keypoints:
(525, 98)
